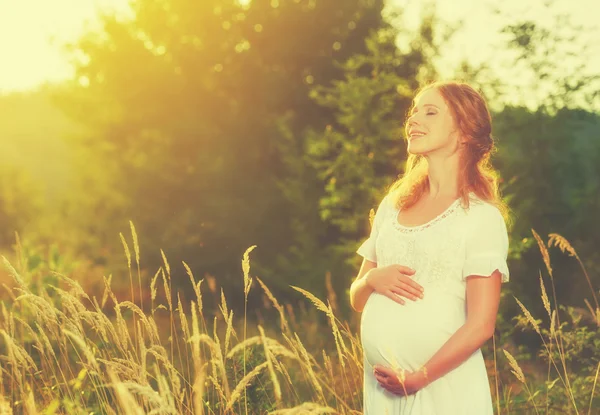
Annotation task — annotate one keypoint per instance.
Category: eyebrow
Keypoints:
(426, 105)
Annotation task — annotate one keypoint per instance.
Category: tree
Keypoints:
(351, 160)
(184, 103)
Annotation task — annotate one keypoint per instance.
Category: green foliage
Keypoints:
(184, 102)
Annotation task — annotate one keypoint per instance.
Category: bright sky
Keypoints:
(31, 32)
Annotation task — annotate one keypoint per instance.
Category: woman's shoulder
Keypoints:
(480, 210)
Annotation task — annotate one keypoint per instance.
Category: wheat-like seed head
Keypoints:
(126, 400)
(149, 327)
(562, 243)
(243, 384)
(167, 267)
(153, 284)
(106, 289)
(167, 290)
(308, 364)
(126, 249)
(228, 331)
(318, 303)
(307, 408)
(278, 307)
(246, 269)
(17, 355)
(529, 316)
(78, 340)
(545, 297)
(544, 251)
(331, 295)
(76, 289)
(276, 385)
(183, 319)
(136, 245)
(223, 306)
(13, 273)
(515, 366)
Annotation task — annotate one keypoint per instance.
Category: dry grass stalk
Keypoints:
(276, 385)
(529, 317)
(516, 369)
(151, 330)
(278, 307)
(544, 251)
(183, 319)
(167, 266)
(561, 242)
(153, 285)
(308, 364)
(331, 295)
(89, 355)
(126, 400)
(106, 289)
(167, 287)
(545, 297)
(275, 347)
(243, 384)
(318, 303)
(76, 288)
(126, 249)
(229, 331)
(17, 355)
(223, 306)
(218, 358)
(199, 366)
(136, 245)
(246, 269)
(142, 352)
(307, 408)
(195, 285)
(565, 246)
(5, 408)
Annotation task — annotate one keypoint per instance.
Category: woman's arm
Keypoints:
(483, 298)
(360, 290)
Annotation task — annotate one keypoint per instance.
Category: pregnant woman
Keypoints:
(429, 284)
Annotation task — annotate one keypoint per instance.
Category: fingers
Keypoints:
(393, 296)
(410, 286)
(405, 270)
(404, 293)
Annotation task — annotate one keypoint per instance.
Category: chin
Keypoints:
(416, 151)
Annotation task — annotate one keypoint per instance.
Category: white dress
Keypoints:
(443, 252)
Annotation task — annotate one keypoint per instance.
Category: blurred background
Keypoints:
(216, 125)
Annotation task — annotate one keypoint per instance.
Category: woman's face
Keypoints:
(431, 127)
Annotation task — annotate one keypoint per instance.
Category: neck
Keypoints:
(443, 176)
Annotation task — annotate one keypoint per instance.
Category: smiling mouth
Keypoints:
(415, 136)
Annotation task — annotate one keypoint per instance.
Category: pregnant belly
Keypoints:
(408, 335)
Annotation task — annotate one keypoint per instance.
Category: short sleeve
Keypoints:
(367, 249)
(486, 243)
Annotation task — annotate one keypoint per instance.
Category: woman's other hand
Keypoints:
(394, 281)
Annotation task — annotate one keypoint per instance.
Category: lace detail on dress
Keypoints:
(440, 217)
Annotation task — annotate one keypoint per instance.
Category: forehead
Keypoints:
(430, 96)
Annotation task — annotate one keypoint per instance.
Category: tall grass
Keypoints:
(64, 351)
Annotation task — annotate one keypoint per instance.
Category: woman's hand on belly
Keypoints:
(399, 382)
(394, 281)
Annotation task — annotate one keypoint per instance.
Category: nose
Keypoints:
(411, 120)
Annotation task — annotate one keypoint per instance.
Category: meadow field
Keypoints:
(67, 351)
